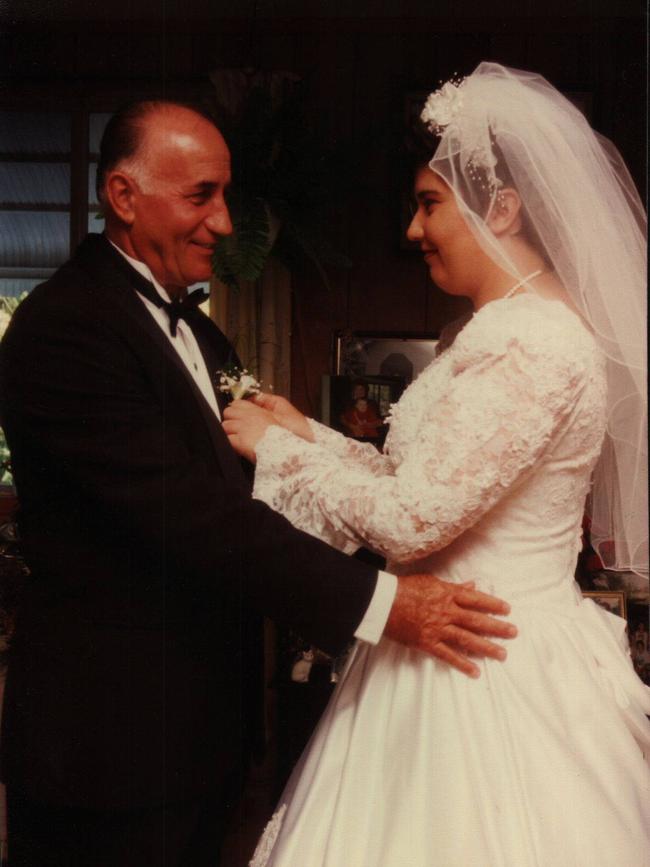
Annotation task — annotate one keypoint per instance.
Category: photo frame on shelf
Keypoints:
(383, 353)
(612, 601)
(357, 406)
(638, 630)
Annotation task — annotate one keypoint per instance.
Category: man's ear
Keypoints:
(120, 190)
(505, 215)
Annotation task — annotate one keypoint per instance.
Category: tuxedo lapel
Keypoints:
(119, 282)
(217, 351)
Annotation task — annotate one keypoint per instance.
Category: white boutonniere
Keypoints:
(239, 384)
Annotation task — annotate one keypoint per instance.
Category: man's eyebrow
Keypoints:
(205, 186)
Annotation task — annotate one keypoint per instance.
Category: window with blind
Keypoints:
(41, 154)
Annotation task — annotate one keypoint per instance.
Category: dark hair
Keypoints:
(418, 146)
(123, 133)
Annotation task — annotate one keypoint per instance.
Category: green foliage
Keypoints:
(242, 255)
(5, 461)
(284, 180)
(8, 305)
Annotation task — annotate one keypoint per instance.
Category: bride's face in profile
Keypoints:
(453, 255)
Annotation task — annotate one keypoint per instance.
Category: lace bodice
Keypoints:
(493, 443)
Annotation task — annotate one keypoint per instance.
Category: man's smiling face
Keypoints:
(178, 206)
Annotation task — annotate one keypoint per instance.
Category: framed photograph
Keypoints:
(357, 406)
(611, 601)
(638, 628)
(402, 355)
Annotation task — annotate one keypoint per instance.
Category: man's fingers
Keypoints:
(482, 601)
(474, 645)
(483, 624)
(455, 659)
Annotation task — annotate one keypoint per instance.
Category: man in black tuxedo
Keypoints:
(124, 720)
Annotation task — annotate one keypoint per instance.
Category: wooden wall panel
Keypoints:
(357, 72)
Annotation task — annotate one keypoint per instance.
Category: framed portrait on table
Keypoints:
(357, 406)
(611, 601)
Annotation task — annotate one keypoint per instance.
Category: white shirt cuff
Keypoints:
(374, 620)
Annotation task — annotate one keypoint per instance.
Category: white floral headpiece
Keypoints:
(451, 110)
(443, 105)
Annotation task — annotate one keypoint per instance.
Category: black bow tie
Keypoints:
(179, 308)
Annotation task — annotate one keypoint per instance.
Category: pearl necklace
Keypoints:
(530, 276)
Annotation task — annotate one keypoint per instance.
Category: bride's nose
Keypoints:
(414, 231)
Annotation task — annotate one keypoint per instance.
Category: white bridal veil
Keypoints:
(504, 127)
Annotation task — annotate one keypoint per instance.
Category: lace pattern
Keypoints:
(267, 840)
(523, 374)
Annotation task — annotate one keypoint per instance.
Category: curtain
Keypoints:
(256, 318)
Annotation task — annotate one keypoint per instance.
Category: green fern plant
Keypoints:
(283, 181)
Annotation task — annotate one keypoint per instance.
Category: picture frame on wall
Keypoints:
(357, 406)
(403, 355)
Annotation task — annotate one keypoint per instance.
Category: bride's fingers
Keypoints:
(241, 407)
(265, 400)
(238, 445)
(243, 410)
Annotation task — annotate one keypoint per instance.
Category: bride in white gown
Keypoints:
(490, 455)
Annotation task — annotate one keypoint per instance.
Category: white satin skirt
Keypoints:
(538, 763)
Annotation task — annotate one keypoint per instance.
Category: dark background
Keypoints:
(359, 60)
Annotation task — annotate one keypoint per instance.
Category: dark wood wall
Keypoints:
(359, 71)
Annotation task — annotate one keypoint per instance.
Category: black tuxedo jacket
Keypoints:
(146, 551)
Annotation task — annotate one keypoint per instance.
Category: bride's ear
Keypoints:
(505, 215)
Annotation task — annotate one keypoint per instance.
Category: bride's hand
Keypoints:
(245, 424)
(286, 415)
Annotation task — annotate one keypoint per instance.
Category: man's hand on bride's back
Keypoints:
(245, 421)
(449, 621)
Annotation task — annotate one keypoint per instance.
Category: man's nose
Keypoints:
(219, 222)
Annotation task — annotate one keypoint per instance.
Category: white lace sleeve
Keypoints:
(506, 397)
(349, 450)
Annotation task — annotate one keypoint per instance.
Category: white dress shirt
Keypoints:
(374, 620)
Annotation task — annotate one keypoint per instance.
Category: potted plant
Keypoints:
(283, 177)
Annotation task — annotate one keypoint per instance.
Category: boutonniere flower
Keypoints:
(239, 384)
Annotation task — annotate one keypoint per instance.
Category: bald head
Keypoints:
(127, 137)
(163, 190)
